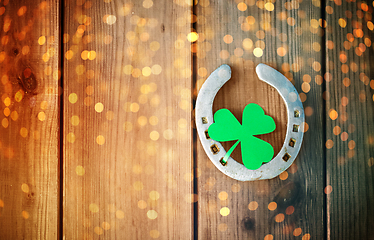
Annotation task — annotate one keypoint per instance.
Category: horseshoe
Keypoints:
(216, 152)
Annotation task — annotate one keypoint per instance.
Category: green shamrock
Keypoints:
(254, 150)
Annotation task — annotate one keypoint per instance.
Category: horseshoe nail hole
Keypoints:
(205, 120)
(295, 128)
(214, 148)
(223, 162)
(292, 142)
(206, 134)
(286, 157)
(296, 113)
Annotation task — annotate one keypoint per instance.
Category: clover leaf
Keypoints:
(254, 150)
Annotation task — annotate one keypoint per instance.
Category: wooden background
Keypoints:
(97, 134)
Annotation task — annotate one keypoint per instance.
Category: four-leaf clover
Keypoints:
(254, 150)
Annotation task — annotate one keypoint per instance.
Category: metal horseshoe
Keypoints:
(216, 152)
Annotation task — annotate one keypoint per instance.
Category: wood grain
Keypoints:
(349, 120)
(127, 127)
(282, 35)
(29, 131)
(127, 118)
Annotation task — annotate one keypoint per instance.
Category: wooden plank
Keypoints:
(287, 36)
(29, 131)
(127, 118)
(349, 120)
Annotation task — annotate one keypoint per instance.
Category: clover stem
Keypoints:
(227, 155)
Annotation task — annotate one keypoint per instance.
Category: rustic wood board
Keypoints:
(129, 79)
(127, 120)
(349, 120)
(286, 36)
(29, 131)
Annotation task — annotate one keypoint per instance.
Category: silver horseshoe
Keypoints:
(295, 124)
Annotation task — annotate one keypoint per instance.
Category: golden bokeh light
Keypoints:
(336, 130)
(344, 136)
(19, 95)
(79, 170)
(142, 204)
(100, 140)
(120, 214)
(93, 207)
(257, 52)
(109, 19)
(268, 237)
(279, 217)
(329, 144)
(242, 6)
(328, 189)
(192, 37)
(290, 210)
(25, 188)
(105, 225)
(5, 122)
(138, 186)
(269, 6)
(306, 237)
(222, 227)
(154, 46)
(297, 232)
(70, 137)
(41, 116)
(228, 39)
(73, 98)
(333, 114)
(281, 51)
(225, 211)
(6, 112)
(25, 214)
(24, 132)
(99, 107)
(253, 205)
(44, 105)
(168, 134)
(154, 195)
(98, 230)
(152, 214)
(41, 40)
(14, 116)
(154, 234)
(272, 206)
(247, 44)
(154, 135)
(283, 176)
(127, 126)
(7, 101)
(223, 196)
(74, 120)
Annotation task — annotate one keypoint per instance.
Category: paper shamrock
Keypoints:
(254, 150)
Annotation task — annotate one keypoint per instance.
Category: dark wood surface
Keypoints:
(132, 165)
(29, 130)
(243, 35)
(349, 121)
(127, 117)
